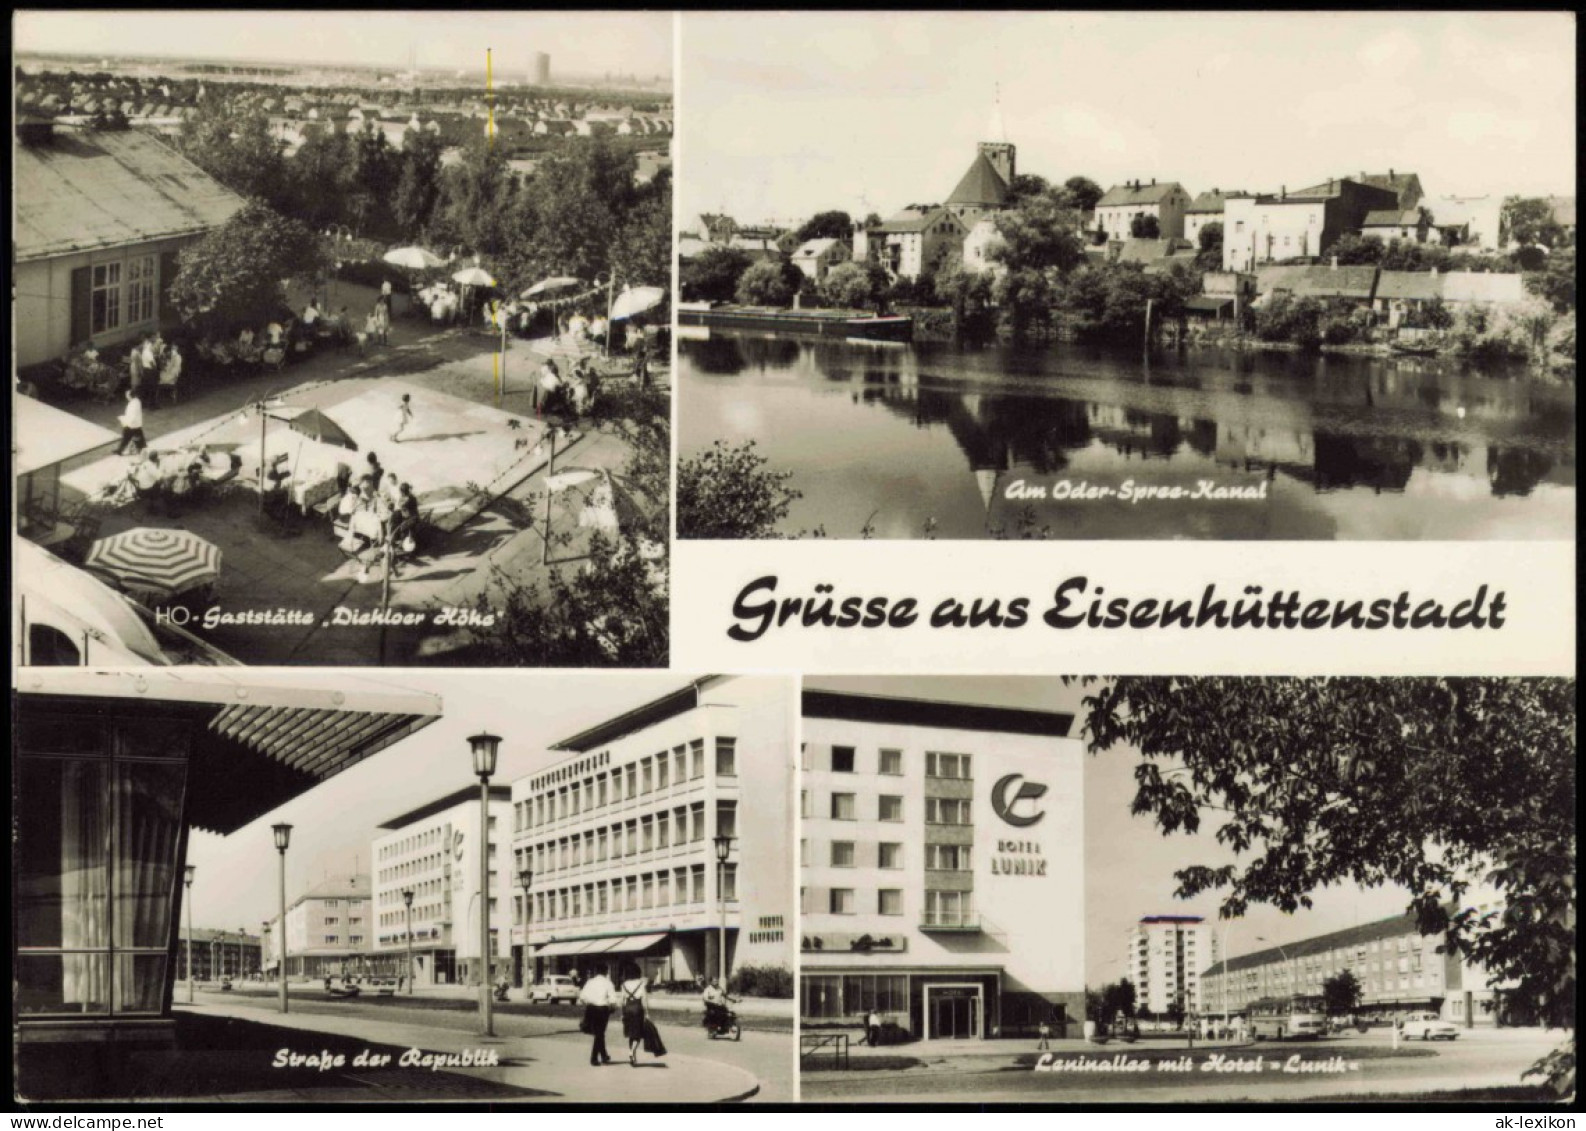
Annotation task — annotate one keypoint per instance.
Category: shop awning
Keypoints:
(46, 436)
(559, 949)
(268, 738)
(607, 944)
(628, 944)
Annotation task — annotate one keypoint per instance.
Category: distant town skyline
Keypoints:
(871, 112)
(581, 44)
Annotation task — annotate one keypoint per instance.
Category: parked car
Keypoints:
(555, 988)
(1429, 1029)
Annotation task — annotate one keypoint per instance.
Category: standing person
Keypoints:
(1046, 1036)
(385, 296)
(404, 417)
(641, 361)
(383, 322)
(598, 996)
(135, 368)
(131, 420)
(634, 1010)
(873, 1029)
(371, 327)
(375, 471)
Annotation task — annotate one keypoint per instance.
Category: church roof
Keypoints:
(982, 185)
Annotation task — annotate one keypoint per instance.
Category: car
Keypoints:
(1429, 1029)
(555, 988)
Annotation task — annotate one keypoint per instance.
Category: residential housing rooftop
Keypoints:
(912, 220)
(1392, 218)
(1137, 193)
(1346, 939)
(1215, 201)
(814, 249)
(1321, 280)
(82, 190)
(981, 185)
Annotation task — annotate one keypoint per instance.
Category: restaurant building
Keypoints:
(941, 867)
(433, 852)
(110, 771)
(1400, 971)
(620, 835)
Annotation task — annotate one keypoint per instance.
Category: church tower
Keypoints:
(999, 151)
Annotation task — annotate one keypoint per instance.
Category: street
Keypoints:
(1355, 1065)
(541, 1045)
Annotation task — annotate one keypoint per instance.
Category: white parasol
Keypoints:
(637, 300)
(413, 258)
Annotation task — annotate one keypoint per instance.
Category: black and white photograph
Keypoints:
(1084, 276)
(343, 338)
(1187, 890)
(265, 887)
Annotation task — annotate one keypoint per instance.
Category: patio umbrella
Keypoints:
(314, 424)
(474, 277)
(636, 300)
(547, 286)
(164, 561)
(413, 258)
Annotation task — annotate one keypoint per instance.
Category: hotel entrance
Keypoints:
(954, 1012)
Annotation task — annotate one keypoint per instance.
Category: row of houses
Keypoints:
(1389, 294)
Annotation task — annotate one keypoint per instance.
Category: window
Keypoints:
(727, 818)
(843, 807)
(890, 762)
(140, 289)
(889, 856)
(697, 822)
(663, 826)
(696, 750)
(889, 808)
(842, 854)
(948, 909)
(96, 849)
(663, 766)
(727, 881)
(804, 804)
(947, 766)
(947, 857)
(946, 811)
(105, 300)
(726, 757)
(647, 774)
(331, 940)
(842, 759)
(841, 901)
(633, 781)
(889, 901)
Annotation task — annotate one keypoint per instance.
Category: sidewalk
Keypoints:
(1025, 1047)
(557, 1067)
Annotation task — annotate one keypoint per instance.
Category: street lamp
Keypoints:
(723, 849)
(188, 880)
(264, 946)
(484, 747)
(283, 837)
(526, 881)
(407, 901)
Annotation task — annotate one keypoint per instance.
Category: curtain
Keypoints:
(149, 808)
(85, 981)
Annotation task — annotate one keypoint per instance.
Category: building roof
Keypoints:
(668, 706)
(1135, 193)
(1148, 250)
(1321, 280)
(1393, 181)
(337, 887)
(814, 249)
(914, 220)
(763, 244)
(266, 738)
(1392, 218)
(1172, 919)
(1413, 286)
(46, 436)
(468, 793)
(1336, 940)
(84, 190)
(1215, 201)
(935, 713)
(981, 185)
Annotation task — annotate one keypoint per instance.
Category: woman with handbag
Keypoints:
(636, 1024)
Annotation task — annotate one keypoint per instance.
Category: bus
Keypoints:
(1287, 1018)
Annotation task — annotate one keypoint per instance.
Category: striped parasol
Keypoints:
(166, 562)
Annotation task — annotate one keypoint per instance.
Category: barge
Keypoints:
(820, 323)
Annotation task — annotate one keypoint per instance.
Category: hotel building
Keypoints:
(1399, 969)
(432, 852)
(620, 838)
(941, 867)
(1165, 956)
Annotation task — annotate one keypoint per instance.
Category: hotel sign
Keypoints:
(1004, 797)
(841, 942)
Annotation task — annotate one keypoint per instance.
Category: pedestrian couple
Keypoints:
(600, 997)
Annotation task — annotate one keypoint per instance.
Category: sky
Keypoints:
(1129, 864)
(782, 115)
(579, 43)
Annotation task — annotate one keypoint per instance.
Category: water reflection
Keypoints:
(999, 441)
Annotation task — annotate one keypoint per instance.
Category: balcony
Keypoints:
(947, 924)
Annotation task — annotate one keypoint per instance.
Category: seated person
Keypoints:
(310, 315)
(245, 337)
(147, 475)
(275, 334)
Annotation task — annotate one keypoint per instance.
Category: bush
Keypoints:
(371, 273)
(761, 981)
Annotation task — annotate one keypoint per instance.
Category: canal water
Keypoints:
(938, 440)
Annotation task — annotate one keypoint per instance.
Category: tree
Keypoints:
(1082, 193)
(1556, 281)
(770, 282)
(1211, 237)
(1341, 994)
(234, 273)
(237, 150)
(1355, 250)
(1434, 785)
(827, 225)
(574, 208)
(727, 492)
(1118, 999)
(969, 294)
(418, 183)
(848, 285)
(713, 274)
(1529, 221)
(1027, 184)
(1145, 227)
(1037, 247)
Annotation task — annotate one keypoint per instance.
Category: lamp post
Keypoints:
(283, 837)
(484, 747)
(187, 879)
(264, 946)
(723, 850)
(526, 880)
(407, 901)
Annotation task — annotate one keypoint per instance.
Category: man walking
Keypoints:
(873, 1029)
(132, 422)
(1046, 1036)
(404, 417)
(598, 997)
